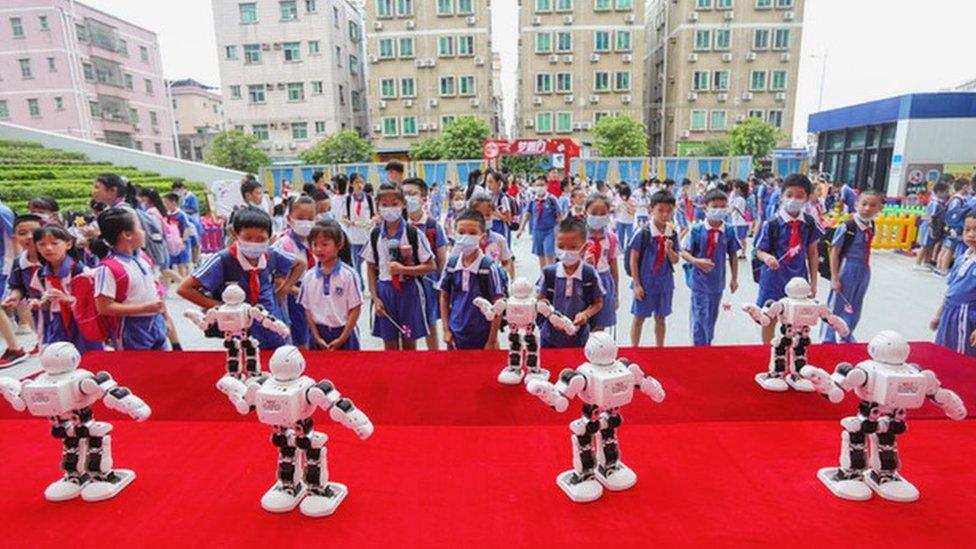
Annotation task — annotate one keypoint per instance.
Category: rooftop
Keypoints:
(892, 109)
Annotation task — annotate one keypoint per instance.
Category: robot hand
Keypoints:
(485, 307)
(352, 418)
(756, 313)
(197, 318)
(652, 388)
(951, 403)
(10, 388)
(823, 383)
(236, 392)
(838, 324)
(548, 393)
(121, 400)
(563, 323)
(270, 322)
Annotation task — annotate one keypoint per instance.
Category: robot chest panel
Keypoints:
(282, 403)
(520, 314)
(801, 314)
(897, 387)
(50, 396)
(233, 320)
(608, 386)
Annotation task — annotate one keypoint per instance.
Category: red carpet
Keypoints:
(459, 460)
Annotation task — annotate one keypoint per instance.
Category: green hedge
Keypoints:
(44, 171)
(68, 188)
(20, 144)
(20, 153)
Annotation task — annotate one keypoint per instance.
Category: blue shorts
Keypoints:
(193, 242)
(181, 258)
(433, 298)
(741, 232)
(470, 341)
(297, 321)
(653, 304)
(143, 333)
(328, 334)
(544, 243)
(607, 315)
(407, 308)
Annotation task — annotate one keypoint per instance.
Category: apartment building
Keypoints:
(69, 68)
(199, 114)
(291, 71)
(579, 60)
(429, 62)
(713, 63)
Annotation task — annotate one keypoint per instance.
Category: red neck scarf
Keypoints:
(794, 238)
(65, 308)
(254, 282)
(712, 242)
(659, 258)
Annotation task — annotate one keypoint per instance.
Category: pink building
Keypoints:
(70, 68)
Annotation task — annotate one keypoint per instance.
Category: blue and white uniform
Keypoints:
(855, 275)
(462, 285)
(356, 212)
(624, 220)
(658, 283)
(6, 242)
(607, 246)
(707, 288)
(925, 236)
(432, 230)
(191, 207)
(295, 245)
(958, 318)
(544, 214)
(792, 263)
(570, 294)
(180, 219)
(503, 205)
(145, 331)
(956, 211)
(53, 326)
(845, 196)
(407, 305)
(329, 296)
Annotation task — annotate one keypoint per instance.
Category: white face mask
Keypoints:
(568, 257)
(302, 227)
(458, 204)
(252, 250)
(539, 191)
(391, 213)
(325, 216)
(793, 206)
(716, 214)
(413, 204)
(466, 243)
(597, 222)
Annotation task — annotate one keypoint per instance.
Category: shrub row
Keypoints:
(44, 171)
(8, 143)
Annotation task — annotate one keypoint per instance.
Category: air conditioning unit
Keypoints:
(408, 103)
(785, 57)
(594, 57)
(627, 58)
(629, 19)
(269, 87)
(568, 99)
(479, 61)
(474, 102)
(284, 125)
(567, 20)
(692, 96)
(292, 146)
(585, 125)
(625, 99)
(723, 97)
(692, 57)
(693, 17)
(411, 24)
(423, 127)
(432, 127)
(537, 100)
(568, 58)
(536, 21)
(728, 16)
(470, 20)
(382, 104)
(281, 85)
(594, 99)
(726, 57)
(277, 45)
(751, 56)
(274, 126)
(373, 58)
(740, 118)
(377, 128)
(577, 126)
(553, 58)
(685, 134)
(530, 123)
(431, 103)
(279, 147)
(378, 25)
(265, 47)
(747, 96)
(781, 96)
(789, 16)
(420, 63)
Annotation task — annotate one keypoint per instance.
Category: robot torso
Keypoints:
(607, 386)
(284, 402)
(521, 313)
(50, 395)
(800, 312)
(894, 386)
(233, 318)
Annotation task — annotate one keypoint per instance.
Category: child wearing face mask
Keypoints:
(415, 191)
(294, 241)
(707, 246)
(542, 214)
(652, 253)
(265, 274)
(571, 286)
(601, 253)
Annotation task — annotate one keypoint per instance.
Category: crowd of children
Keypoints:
(416, 254)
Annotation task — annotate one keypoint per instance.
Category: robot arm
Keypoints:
(645, 383)
(241, 395)
(824, 383)
(10, 389)
(836, 322)
(324, 395)
(763, 316)
(558, 320)
(558, 396)
(948, 400)
(202, 320)
(117, 398)
(269, 322)
(488, 309)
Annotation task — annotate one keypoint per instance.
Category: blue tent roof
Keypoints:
(902, 107)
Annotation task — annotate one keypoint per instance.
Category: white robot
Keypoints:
(286, 401)
(234, 319)
(64, 394)
(888, 387)
(604, 383)
(521, 310)
(797, 314)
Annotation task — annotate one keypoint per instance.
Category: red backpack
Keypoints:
(91, 325)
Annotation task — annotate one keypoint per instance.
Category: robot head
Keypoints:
(233, 295)
(889, 347)
(798, 288)
(601, 348)
(60, 357)
(287, 363)
(521, 288)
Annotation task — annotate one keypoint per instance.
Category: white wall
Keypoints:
(165, 165)
(932, 141)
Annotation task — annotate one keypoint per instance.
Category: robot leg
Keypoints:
(323, 496)
(773, 380)
(252, 361)
(883, 477)
(847, 481)
(233, 346)
(612, 472)
(532, 358)
(580, 483)
(287, 492)
(70, 485)
(106, 482)
(798, 361)
(512, 374)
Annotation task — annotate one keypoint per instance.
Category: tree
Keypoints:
(235, 150)
(430, 148)
(522, 165)
(715, 147)
(463, 138)
(342, 147)
(620, 135)
(753, 137)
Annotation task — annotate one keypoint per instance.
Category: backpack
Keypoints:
(369, 202)
(430, 231)
(91, 325)
(645, 236)
(937, 225)
(516, 210)
(757, 264)
(590, 277)
(955, 217)
(155, 241)
(850, 232)
(484, 271)
(695, 248)
(174, 240)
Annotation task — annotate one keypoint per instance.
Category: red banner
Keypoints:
(494, 148)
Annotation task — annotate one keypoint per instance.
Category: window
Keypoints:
(763, 5)
(599, 115)
(465, 45)
(447, 120)
(760, 39)
(465, 6)
(88, 71)
(296, 92)
(564, 122)
(319, 127)
(144, 54)
(602, 5)
(775, 118)
(757, 81)
(564, 5)
(543, 42)
(406, 47)
(42, 19)
(408, 87)
(703, 4)
(384, 8)
(128, 81)
(354, 31)
(153, 119)
(18, 27)
(59, 103)
(624, 5)
(252, 54)
(149, 87)
(51, 65)
(723, 39)
(409, 125)
(781, 40)
(624, 41)
(723, 4)
(299, 130)
(784, 3)
(466, 85)
(292, 51)
(543, 82)
(353, 65)
(81, 32)
(123, 48)
(388, 88)
(601, 81)
(354, 99)
(564, 82)
(703, 40)
(4, 110)
(720, 80)
(699, 120)
(445, 46)
(289, 10)
(718, 120)
(777, 80)
(564, 41)
(230, 52)
(621, 81)
(235, 91)
(316, 87)
(33, 108)
(338, 56)
(255, 93)
(543, 122)
(94, 109)
(314, 47)
(157, 148)
(310, 6)
(757, 114)
(404, 7)
(447, 86)
(386, 48)
(249, 12)
(601, 41)
(25, 68)
(390, 126)
(699, 81)
(342, 96)
(445, 7)
(542, 6)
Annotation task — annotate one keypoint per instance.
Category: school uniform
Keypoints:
(956, 210)
(655, 271)
(764, 193)
(793, 238)
(926, 238)
(738, 207)
(570, 294)
(544, 215)
(624, 220)
(145, 331)
(7, 248)
(718, 244)
(958, 318)
(430, 228)
(601, 252)
(229, 266)
(686, 209)
(462, 284)
(771, 204)
(402, 296)
(643, 200)
(359, 210)
(295, 245)
(329, 296)
(57, 322)
(845, 198)
(855, 275)
(180, 219)
(503, 205)
(21, 273)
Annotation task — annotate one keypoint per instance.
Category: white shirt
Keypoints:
(359, 225)
(142, 281)
(497, 249)
(383, 249)
(738, 210)
(621, 213)
(330, 310)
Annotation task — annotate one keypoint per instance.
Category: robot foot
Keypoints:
(892, 489)
(799, 384)
(108, 487)
(324, 504)
(580, 491)
(771, 383)
(65, 489)
(853, 489)
(616, 478)
(281, 500)
(536, 373)
(510, 376)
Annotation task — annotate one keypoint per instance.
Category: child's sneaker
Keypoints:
(11, 357)
(35, 351)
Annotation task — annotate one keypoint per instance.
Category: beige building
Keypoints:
(429, 62)
(498, 98)
(199, 114)
(579, 60)
(713, 63)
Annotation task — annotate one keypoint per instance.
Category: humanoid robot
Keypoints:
(286, 401)
(521, 310)
(605, 384)
(797, 314)
(64, 394)
(888, 387)
(234, 319)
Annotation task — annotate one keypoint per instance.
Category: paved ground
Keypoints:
(899, 298)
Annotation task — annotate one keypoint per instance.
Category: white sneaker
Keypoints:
(895, 489)
(511, 375)
(770, 383)
(537, 373)
(581, 491)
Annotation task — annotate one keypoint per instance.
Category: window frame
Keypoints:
(703, 113)
(539, 115)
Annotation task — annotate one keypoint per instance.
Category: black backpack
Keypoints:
(549, 280)
(937, 225)
(413, 237)
(850, 232)
(484, 271)
(645, 240)
(757, 264)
